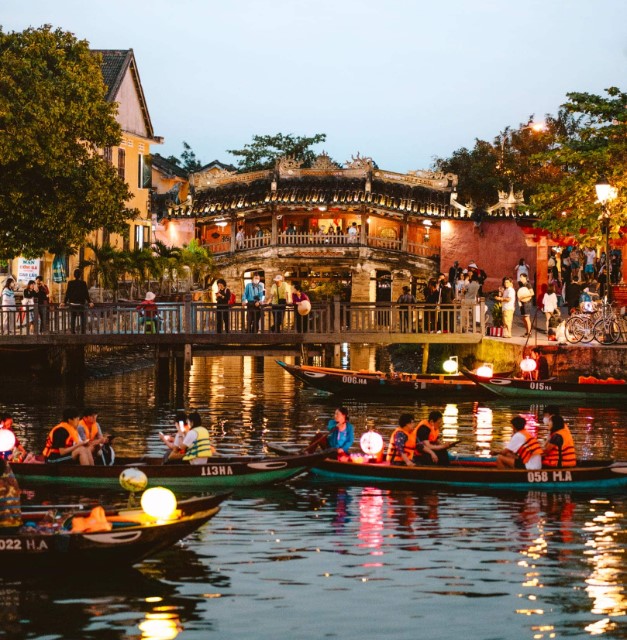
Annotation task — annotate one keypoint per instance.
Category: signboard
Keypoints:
(27, 269)
(58, 269)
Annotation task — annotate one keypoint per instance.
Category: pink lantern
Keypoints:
(7, 440)
(528, 365)
(371, 443)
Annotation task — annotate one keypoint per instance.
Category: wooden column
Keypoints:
(542, 267)
(275, 229)
(405, 229)
(233, 232)
(362, 236)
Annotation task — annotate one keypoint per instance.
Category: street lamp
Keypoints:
(605, 194)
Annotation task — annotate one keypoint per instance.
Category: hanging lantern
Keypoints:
(485, 370)
(371, 443)
(451, 365)
(528, 365)
(159, 503)
(7, 440)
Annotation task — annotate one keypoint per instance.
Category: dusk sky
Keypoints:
(400, 81)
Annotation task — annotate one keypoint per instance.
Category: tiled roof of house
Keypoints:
(169, 169)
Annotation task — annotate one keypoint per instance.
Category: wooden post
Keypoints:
(187, 313)
(362, 235)
(425, 357)
(337, 315)
(233, 232)
(275, 230)
(188, 357)
(404, 239)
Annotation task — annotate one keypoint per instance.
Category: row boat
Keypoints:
(474, 472)
(220, 472)
(349, 382)
(132, 538)
(551, 388)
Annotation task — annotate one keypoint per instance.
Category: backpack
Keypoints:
(232, 299)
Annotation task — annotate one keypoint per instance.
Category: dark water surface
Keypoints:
(312, 560)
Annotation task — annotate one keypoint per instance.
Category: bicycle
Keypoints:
(580, 326)
(611, 329)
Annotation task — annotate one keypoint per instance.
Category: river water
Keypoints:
(314, 560)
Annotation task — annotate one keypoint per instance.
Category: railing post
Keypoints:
(481, 316)
(35, 317)
(187, 313)
(337, 311)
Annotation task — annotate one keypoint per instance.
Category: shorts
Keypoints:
(525, 308)
(574, 264)
(589, 268)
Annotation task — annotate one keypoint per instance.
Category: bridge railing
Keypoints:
(200, 318)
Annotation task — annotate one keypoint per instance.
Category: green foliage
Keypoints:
(188, 161)
(598, 147)
(264, 151)
(497, 315)
(107, 266)
(54, 188)
(197, 259)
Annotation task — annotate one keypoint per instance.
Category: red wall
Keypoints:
(496, 246)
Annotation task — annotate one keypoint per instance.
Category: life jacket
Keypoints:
(91, 432)
(410, 446)
(563, 456)
(530, 448)
(434, 433)
(202, 447)
(72, 439)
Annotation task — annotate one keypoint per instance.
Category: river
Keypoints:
(313, 560)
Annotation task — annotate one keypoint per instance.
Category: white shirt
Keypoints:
(590, 256)
(520, 269)
(517, 441)
(549, 302)
(510, 304)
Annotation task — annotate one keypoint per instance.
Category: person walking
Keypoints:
(77, 297)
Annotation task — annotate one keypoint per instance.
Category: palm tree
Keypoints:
(142, 264)
(166, 262)
(198, 260)
(107, 266)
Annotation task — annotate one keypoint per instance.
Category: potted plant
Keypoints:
(497, 320)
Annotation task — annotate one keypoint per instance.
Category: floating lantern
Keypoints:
(133, 480)
(485, 370)
(451, 365)
(159, 503)
(371, 443)
(7, 440)
(528, 365)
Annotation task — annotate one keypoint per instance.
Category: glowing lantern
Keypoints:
(451, 365)
(159, 503)
(304, 307)
(485, 370)
(7, 440)
(528, 365)
(371, 443)
(133, 480)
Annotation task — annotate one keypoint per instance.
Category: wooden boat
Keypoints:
(349, 382)
(475, 472)
(587, 388)
(134, 536)
(220, 472)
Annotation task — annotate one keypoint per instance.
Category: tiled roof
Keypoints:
(166, 167)
(115, 62)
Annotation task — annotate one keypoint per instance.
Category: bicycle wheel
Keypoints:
(607, 331)
(587, 329)
(574, 329)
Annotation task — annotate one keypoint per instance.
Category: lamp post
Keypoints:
(605, 194)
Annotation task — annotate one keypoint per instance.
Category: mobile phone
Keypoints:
(181, 425)
(162, 434)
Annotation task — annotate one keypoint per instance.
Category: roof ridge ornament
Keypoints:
(364, 163)
(323, 162)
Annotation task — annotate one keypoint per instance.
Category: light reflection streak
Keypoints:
(450, 427)
(160, 626)
(482, 419)
(371, 520)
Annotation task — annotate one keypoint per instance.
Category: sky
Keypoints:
(400, 81)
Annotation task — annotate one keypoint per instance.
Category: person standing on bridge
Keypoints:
(252, 300)
(77, 296)
(279, 292)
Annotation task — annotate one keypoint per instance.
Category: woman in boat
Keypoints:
(427, 441)
(402, 447)
(64, 445)
(340, 436)
(523, 451)
(559, 451)
(195, 446)
(19, 453)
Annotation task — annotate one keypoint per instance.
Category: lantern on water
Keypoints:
(7, 440)
(451, 365)
(371, 443)
(159, 503)
(485, 370)
(528, 365)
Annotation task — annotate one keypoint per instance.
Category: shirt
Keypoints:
(510, 304)
(341, 439)
(517, 441)
(253, 291)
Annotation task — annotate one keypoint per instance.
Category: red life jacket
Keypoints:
(530, 448)
(434, 434)
(563, 456)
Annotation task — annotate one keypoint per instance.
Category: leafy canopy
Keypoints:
(54, 187)
(264, 151)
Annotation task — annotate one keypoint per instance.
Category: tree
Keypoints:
(188, 161)
(198, 260)
(107, 266)
(166, 261)
(596, 148)
(54, 187)
(263, 151)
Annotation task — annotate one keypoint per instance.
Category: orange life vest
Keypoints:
(530, 448)
(434, 434)
(563, 456)
(91, 432)
(393, 455)
(72, 439)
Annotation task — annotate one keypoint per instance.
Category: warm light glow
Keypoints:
(485, 370)
(371, 443)
(451, 365)
(7, 440)
(132, 479)
(427, 223)
(222, 223)
(605, 191)
(160, 627)
(528, 365)
(537, 126)
(159, 503)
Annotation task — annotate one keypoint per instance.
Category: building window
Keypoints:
(122, 163)
(107, 155)
(144, 172)
(142, 236)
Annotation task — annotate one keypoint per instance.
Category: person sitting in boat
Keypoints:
(559, 451)
(10, 510)
(431, 451)
(542, 365)
(195, 446)
(89, 429)
(340, 435)
(64, 445)
(18, 453)
(549, 411)
(402, 447)
(523, 451)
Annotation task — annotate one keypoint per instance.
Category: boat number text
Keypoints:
(217, 470)
(353, 380)
(540, 386)
(549, 476)
(15, 544)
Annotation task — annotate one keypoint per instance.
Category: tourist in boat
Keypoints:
(64, 445)
(89, 429)
(549, 411)
(18, 453)
(559, 451)
(523, 451)
(402, 447)
(427, 441)
(195, 445)
(542, 365)
(341, 432)
(10, 509)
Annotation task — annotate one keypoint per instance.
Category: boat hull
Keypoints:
(219, 473)
(375, 384)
